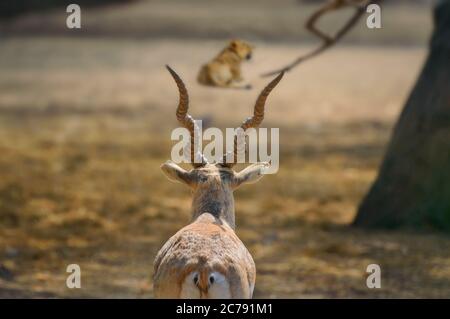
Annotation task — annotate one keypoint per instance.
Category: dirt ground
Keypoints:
(85, 124)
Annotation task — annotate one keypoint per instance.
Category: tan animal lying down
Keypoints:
(225, 69)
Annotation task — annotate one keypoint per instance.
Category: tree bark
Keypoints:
(413, 185)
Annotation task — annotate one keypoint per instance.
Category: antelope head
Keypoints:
(212, 184)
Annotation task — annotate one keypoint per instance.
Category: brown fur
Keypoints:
(206, 259)
(209, 244)
(225, 69)
(204, 245)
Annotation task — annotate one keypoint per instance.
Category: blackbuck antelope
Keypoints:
(206, 259)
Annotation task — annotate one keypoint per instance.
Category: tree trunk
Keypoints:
(413, 185)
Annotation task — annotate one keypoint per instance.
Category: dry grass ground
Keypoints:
(85, 124)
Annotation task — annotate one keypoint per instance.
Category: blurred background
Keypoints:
(85, 122)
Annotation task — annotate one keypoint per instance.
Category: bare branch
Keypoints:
(328, 41)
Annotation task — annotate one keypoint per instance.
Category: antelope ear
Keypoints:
(250, 174)
(177, 174)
